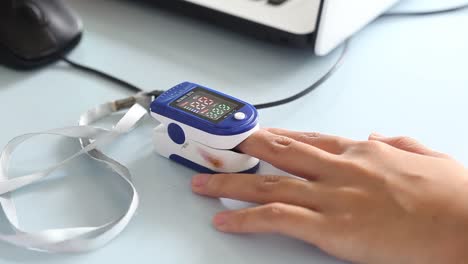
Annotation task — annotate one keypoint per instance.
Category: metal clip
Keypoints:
(123, 103)
(143, 98)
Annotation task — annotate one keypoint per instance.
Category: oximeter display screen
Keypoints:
(207, 105)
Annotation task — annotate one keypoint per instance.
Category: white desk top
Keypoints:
(401, 77)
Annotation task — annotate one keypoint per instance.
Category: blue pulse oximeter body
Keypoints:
(200, 127)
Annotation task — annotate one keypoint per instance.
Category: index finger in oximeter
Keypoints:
(200, 128)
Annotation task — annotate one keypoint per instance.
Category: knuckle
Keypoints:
(357, 166)
(348, 218)
(366, 147)
(354, 197)
(267, 183)
(348, 221)
(312, 135)
(279, 144)
(218, 183)
(241, 221)
(283, 141)
(274, 212)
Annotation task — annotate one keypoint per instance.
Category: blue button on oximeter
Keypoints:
(200, 127)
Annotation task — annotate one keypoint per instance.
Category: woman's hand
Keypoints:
(385, 200)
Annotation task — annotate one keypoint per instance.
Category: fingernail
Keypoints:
(377, 135)
(200, 180)
(220, 219)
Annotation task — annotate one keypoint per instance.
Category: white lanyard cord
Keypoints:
(76, 239)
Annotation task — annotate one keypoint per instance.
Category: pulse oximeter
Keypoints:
(200, 128)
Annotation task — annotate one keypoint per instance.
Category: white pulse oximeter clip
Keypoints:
(201, 127)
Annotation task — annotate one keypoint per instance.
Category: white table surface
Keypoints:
(401, 77)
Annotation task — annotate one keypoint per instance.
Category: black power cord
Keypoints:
(292, 98)
(312, 87)
(287, 100)
(103, 75)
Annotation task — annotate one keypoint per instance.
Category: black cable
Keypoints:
(104, 75)
(340, 60)
(426, 13)
(292, 98)
(312, 87)
(301, 94)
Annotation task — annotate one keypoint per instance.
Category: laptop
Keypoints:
(319, 24)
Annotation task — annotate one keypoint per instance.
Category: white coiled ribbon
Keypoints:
(76, 239)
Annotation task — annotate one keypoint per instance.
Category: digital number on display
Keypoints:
(206, 105)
